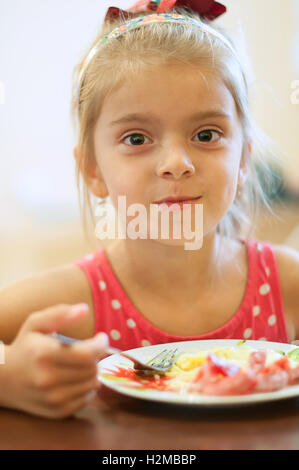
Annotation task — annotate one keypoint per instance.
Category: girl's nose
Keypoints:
(175, 165)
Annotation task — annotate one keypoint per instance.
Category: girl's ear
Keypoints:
(92, 177)
(243, 170)
(242, 176)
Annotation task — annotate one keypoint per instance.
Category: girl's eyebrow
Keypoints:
(133, 117)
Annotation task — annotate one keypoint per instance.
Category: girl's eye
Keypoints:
(135, 139)
(208, 134)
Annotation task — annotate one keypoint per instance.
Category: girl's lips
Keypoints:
(177, 199)
(180, 203)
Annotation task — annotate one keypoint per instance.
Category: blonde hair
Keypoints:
(168, 43)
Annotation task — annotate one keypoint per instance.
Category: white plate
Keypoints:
(187, 398)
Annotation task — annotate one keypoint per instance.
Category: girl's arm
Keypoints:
(44, 377)
(288, 267)
(39, 374)
(64, 285)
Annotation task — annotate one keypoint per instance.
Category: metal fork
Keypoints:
(160, 363)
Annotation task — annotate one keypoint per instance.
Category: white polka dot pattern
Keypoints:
(102, 285)
(264, 289)
(247, 333)
(256, 310)
(131, 323)
(268, 272)
(115, 334)
(145, 343)
(115, 304)
(272, 320)
(262, 339)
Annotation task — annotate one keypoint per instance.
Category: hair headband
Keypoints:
(144, 20)
(208, 9)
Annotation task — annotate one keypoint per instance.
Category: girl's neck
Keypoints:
(170, 271)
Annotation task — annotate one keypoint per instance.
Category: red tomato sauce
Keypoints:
(141, 381)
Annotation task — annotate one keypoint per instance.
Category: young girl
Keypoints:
(162, 106)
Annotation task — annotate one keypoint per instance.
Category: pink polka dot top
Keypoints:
(259, 317)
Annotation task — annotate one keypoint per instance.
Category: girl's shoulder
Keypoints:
(76, 289)
(65, 284)
(73, 287)
(287, 260)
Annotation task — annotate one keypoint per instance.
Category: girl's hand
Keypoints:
(45, 377)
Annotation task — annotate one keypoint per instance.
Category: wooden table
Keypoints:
(113, 421)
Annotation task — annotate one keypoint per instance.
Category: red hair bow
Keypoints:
(208, 9)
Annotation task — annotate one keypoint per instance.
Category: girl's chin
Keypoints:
(184, 244)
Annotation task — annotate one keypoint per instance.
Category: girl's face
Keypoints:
(172, 131)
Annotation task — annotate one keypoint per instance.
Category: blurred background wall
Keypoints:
(40, 42)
